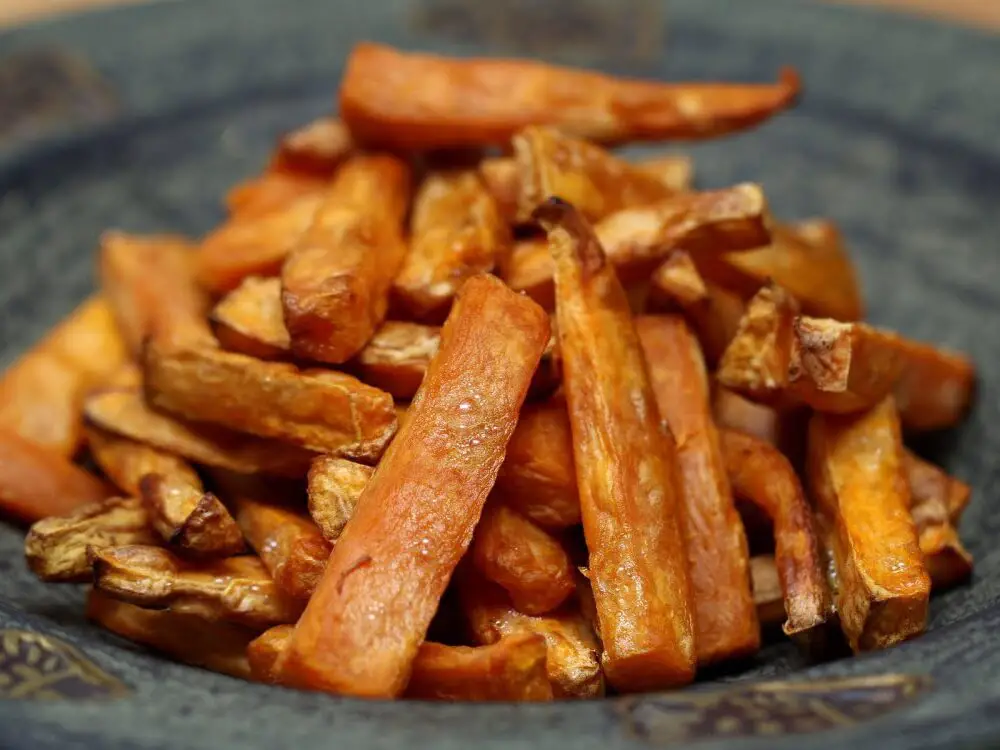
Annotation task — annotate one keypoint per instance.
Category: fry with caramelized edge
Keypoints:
(759, 473)
(335, 283)
(125, 462)
(625, 467)
(717, 551)
(317, 148)
(249, 320)
(321, 410)
(418, 101)
(271, 191)
(56, 547)
(456, 232)
(935, 387)
(233, 589)
(217, 646)
(526, 560)
(36, 483)
(414, 520)
(289, 544)
(858, 482)
(42, 392)
(334, 487)
(186, 517)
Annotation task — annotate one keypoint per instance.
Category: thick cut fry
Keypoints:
(456, 232)
(396, 357)
(334, 487)
(636, 240)
(758, 472)
(235, 589)
(217, 646)
(928, 482)
(271, 191)
(418, 101)
(767, 592)
(42, 392)
(320, 410)
(249, 320)
(935, 387)
(527, 561)
(857, 480)
(56, 547)
(125, 462)
(290, 545)
(361, 629)
(335, 283)
(36, 483)
(188, 518)
(124, 412)
(625, 466)
(717, 550)
(317, 148)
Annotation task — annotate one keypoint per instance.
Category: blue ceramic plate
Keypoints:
(140, 119)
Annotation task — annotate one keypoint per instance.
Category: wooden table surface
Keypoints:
(984, 13)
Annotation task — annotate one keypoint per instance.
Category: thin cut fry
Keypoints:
(41, 393)
(249, 320)
(625, 468)
(388, 570)
(271, 191)
(857, 479)
(717, 551)
(188, 518)
(418, 101)
(234, 589)
(317, 148)
(335, 283)
(56, 547)
(217, 646)
(935, 387)
(334, 487)
(125, 462)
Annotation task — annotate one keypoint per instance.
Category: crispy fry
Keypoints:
(317, 148)
(625, 468)
(289, 544)
(637, 240)
(188, 518)
(334, 487)
(124, 412)
(234, 589)
(935, 387)
(526, 560)
(335, 283)
(249, 320)
(56, 547)
(419, 101)
(927, 481)
(42, 392)
(718, 556)
(271, 191)
(125, 462)
(767, 592)
(320, 410)
(456, 232)
(217, 646)
(361, 629)
(36, 483)
(857, 480)
(759, 473)
(396, 357)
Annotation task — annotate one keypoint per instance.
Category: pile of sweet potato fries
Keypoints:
(348, 440)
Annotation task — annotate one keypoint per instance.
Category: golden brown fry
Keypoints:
(927, 481)
(124, 412)
(42, 392)
(676, 171)
(625, 466)
(935, 387)
(234, 589)
(271, 191)
(456, 232)
(396, 357)
(320, 410)
(217, 646)
(857, 480)
(419, 101)
(249, 320)
(335, 484)
(317, 148)
(335, 283)
(733, 412)
(717, 551)
(948, 561)
(125, 462)
(56, 547)
(188, 518)
(767, 592)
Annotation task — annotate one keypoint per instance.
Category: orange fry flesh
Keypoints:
(625, 468)
(420, 101)
(362, 627)
(269, 192)
(718, 556)
(335, 283)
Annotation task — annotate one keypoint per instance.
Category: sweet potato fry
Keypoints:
(36, 483)
(125, 462)
(625, 468)
(42, 392)
(767, 592)
(335, 283)
(265, 650)
(396, 357)
(217, 646)
(317, 148)
(419, 101)
(234, 589)
(928, 482)
(186, 517)
(935, 386)
(56, 547)
(289, 544)
(526, 560)
(334, 487)
(717, 551)
(124, 412)
(857, 480)
(320, 410)
(361, 629)
(271, 191)
(456, 232)
(759, 473)
(249, 320)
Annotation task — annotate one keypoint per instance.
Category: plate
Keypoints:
(162, 106)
